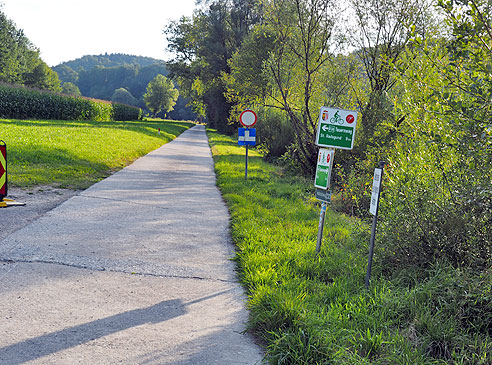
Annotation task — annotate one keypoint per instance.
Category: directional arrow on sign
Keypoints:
(325, 127)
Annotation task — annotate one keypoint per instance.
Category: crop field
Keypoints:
(76, 154)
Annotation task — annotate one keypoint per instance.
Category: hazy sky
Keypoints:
(65, 29)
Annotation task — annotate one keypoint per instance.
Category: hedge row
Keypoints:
(23, 103)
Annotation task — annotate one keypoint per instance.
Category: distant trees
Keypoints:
(118, 77)
(161, 95)
(70, 89)
(123, 96)
(20, 62)
(203, 46)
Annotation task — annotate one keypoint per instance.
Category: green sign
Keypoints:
(336, 128)
(323, 168)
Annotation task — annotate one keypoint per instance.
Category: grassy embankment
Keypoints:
(76, 154)
(315, 310)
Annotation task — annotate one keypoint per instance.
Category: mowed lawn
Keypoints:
(76, 154)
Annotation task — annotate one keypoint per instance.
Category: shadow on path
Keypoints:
(51, 343)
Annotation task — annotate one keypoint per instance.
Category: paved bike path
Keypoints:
(135, 270)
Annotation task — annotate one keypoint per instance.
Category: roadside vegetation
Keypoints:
(76, 154)
(312, 309)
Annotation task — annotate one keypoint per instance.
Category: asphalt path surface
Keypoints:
(136, 269)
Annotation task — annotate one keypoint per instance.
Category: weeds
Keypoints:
(314, 309)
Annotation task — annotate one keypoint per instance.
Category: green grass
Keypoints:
(77, 154)
(312, 309)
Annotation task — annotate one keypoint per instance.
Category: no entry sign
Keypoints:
(3, 170)
(248, 118)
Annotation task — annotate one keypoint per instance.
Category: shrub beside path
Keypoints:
(135, 270)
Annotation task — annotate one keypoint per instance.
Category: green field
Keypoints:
(77, 154)
(312, 309)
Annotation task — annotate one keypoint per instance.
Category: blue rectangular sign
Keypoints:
(246, 136)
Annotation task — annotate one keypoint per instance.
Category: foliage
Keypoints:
(123, 112)
(21, 102)
(312, 309)
(123, 96)
(439, 199)
(88, 62)
(70, 89)
(203, 46)
(296, 64)
(77, 154)
(384, 28)
(161, 95)
(107, 76)
(20, 62)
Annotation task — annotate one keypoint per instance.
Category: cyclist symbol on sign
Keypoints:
(336, 119)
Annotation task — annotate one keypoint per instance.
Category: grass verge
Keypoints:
(77, 154)
(312, 309)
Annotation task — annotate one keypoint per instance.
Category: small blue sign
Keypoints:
(246, 136)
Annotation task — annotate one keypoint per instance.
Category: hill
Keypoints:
(117, 77)
(88, 62)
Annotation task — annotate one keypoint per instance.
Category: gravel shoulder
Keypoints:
(39, 201)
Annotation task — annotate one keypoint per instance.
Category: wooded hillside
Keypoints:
(117, 77)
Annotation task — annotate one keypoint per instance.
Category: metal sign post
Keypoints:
(376, 192)
(336, 129)
(247, 136)
(322, 183)
(321, 225)
(246, 164)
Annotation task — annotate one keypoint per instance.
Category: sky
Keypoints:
(64, 30)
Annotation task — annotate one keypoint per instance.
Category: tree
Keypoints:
(161, 95)
(20, 62)
(42, 77)
(384, 28)
(303, 35)
(438, 196)
(123, 96)
(70, 89)
(203, 46)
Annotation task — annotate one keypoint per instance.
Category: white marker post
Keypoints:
(376, 192)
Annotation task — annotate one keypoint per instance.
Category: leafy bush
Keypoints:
(274, 131)
(314, 309)
(23, 103)
(124, 112)
(438, 199)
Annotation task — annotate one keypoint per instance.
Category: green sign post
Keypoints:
(323, 168)
(336, 128)
(322, 183)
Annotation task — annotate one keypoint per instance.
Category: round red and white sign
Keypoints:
(248, 118)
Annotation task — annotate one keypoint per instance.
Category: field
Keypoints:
(76, 154)
(312, 309)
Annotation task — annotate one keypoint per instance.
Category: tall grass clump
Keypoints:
(314, 309)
